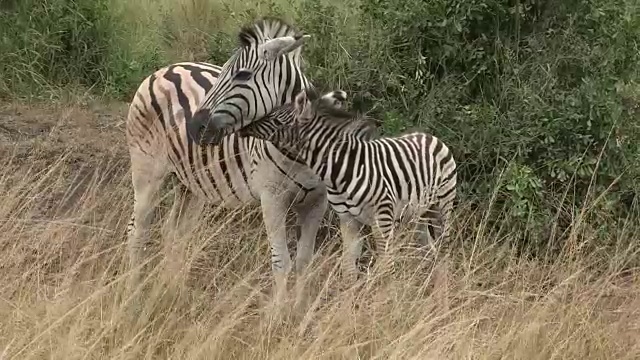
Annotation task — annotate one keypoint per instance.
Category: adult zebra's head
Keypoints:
(264, 73)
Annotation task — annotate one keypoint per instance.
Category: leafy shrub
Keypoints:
(53, 43)
(531, 86)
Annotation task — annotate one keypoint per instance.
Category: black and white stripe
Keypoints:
(239, 171)
(370, 181)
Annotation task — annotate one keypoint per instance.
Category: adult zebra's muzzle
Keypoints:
(203, 129)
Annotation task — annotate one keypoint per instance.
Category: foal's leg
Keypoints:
(351, 246)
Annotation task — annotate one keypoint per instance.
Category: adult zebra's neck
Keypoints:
(290, 83)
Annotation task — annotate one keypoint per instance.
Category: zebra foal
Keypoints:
(370, 181)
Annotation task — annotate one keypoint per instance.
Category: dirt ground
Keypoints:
(88, 132)
(77, 140)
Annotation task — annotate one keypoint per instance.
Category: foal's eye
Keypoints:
(243, 75)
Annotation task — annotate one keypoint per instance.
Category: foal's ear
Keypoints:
(302, 105)
(300, 102)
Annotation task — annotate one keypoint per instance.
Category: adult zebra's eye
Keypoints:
(243, 75)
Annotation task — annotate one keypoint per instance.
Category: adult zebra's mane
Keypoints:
(265, 29)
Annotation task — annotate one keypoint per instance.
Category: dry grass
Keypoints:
(66, 200)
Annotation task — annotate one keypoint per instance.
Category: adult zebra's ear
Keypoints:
(273, 48)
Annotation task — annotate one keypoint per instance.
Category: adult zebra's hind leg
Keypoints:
(182, 217)
(147, 175)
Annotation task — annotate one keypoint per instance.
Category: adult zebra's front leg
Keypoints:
(309, 213)
(274, 211)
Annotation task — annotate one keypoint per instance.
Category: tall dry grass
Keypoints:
(63, 292)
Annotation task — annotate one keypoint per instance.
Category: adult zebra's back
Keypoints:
(237, 172)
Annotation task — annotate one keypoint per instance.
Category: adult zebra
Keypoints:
(238, 171)
(369, 181)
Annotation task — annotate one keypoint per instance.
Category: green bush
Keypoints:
(50, 44)
(544, 91)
